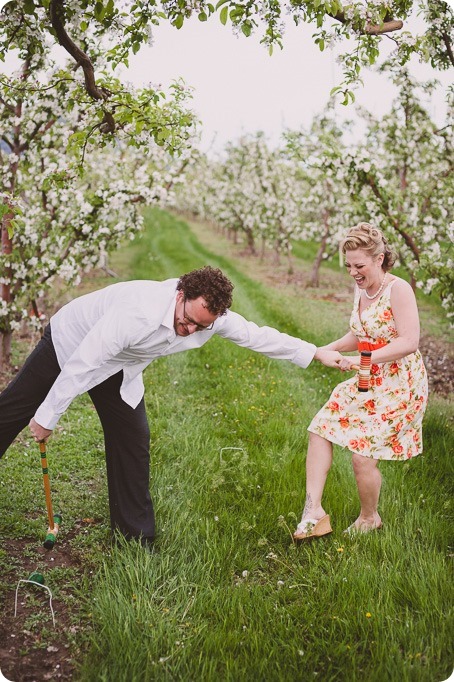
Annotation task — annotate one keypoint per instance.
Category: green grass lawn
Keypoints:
(226, 595)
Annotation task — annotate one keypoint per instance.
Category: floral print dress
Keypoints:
(385, 422)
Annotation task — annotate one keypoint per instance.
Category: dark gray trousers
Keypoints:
(126, 436)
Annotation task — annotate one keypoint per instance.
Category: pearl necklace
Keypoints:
(380, 289)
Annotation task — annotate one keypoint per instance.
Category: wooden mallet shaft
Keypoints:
(54, 520)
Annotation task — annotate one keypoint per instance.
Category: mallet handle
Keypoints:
(364, 371)
(46, 482)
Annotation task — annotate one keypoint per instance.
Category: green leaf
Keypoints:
(202, 16)
(13, 226)
(220, 3)
(224, 15)
(179, 21)
(247, 29)
(99, 11)
(270, 50)
(4, 208)
(29, 7)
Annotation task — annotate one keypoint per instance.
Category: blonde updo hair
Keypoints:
(370, 239)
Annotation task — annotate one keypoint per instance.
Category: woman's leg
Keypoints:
(318, 463)
(368, 480)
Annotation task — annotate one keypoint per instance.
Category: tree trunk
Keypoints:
(290, 269)
(6, 334)
(263, 250)
(250, 241)
(314, 278)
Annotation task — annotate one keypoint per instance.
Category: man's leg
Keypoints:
(25, 393)
(127, 443)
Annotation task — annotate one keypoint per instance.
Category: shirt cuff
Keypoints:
(46, 417)
(304, 357)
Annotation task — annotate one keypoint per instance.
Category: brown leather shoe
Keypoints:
(313, 528)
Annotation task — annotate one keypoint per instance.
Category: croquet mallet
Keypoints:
(54, 520)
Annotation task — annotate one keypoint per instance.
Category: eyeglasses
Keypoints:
(199, 327)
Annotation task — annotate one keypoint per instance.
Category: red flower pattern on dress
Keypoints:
(370, 406)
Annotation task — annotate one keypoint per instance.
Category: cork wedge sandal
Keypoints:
(313, 528)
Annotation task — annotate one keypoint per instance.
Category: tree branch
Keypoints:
(6, 104)
(408, 239)
(387, 26)
(448, 45)
(33, 134)
(57, 19)
(7, 141)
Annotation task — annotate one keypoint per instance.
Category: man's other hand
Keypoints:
(39, 432)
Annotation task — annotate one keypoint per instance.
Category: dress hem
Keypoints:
(331, 439)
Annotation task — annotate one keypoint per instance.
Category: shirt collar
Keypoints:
(169, 318)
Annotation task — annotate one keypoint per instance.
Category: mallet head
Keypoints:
(52, 533)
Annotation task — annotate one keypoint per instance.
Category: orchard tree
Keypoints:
(57, 221)
(51, 116)
(326, 207)
(253, 192)
(403, 175)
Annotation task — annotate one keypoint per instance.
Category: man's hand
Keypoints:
(39, 432)
(330, 358)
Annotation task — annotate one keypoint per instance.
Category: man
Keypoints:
(101, 343)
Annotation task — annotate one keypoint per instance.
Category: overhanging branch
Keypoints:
(388, 26)
(57, 19)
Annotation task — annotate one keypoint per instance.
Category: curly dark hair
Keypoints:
(212, 284)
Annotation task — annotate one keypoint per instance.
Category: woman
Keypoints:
(384, 422)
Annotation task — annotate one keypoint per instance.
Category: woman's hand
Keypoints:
(349, 363)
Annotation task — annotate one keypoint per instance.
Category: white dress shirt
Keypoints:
(125, 327)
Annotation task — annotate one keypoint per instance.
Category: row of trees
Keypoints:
(315, 185)
(80, 150)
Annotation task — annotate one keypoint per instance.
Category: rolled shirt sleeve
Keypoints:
(265, 340)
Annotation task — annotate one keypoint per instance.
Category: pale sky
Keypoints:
(240, 88)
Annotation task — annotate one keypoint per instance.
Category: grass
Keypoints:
(226, 595)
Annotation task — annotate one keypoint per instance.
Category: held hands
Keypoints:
(348, 363)
(39, 432)
(332, 358)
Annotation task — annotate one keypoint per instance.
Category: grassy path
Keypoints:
(226, 595)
